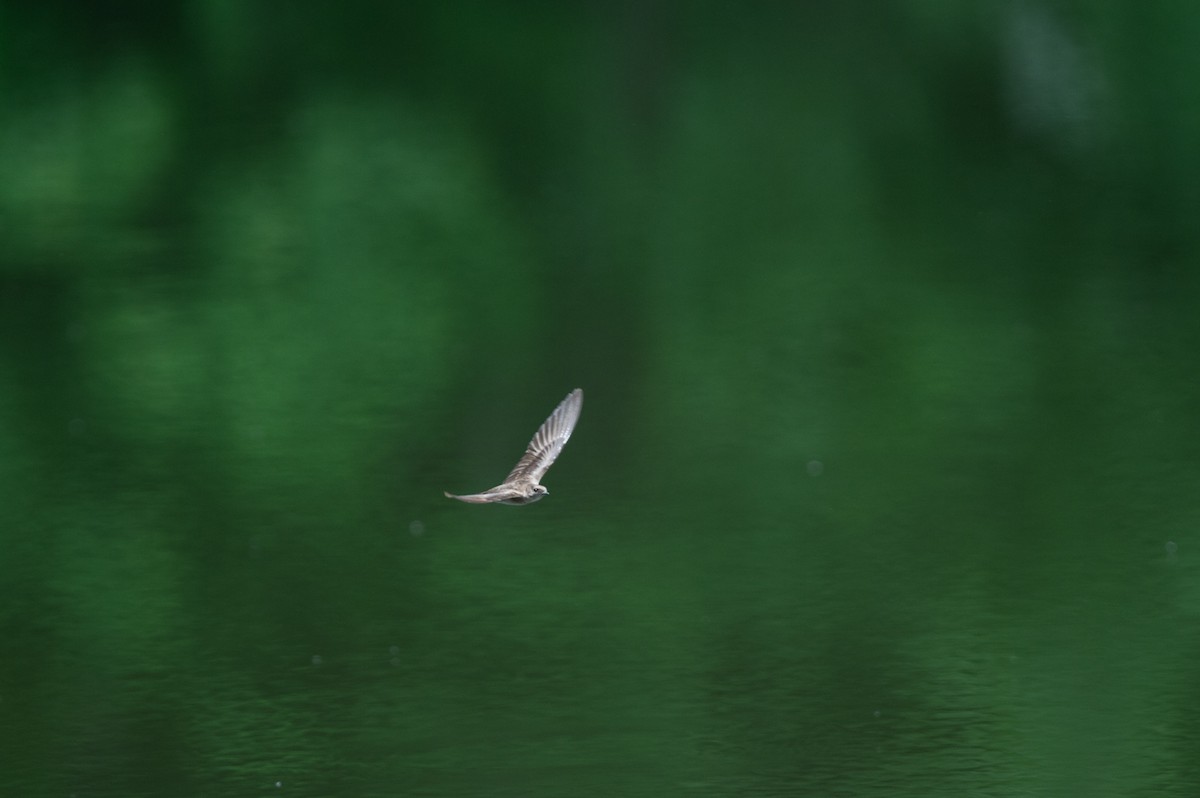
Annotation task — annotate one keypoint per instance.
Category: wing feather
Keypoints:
(474, 498)
(549, 440)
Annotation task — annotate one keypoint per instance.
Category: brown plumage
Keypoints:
(521, 485)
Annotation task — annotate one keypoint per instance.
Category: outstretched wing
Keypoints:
(477, 498)
(549, 440)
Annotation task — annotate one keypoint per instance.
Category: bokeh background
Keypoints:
(887, 478)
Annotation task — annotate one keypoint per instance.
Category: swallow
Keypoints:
(521, 485)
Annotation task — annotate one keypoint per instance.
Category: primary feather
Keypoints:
(549, 440)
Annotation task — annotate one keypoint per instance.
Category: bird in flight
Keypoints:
(521, 485)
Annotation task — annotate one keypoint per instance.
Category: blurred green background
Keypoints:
(886, 480)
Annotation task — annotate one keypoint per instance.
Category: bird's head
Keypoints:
(540, 490)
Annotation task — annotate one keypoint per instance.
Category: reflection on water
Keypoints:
(684, 642)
